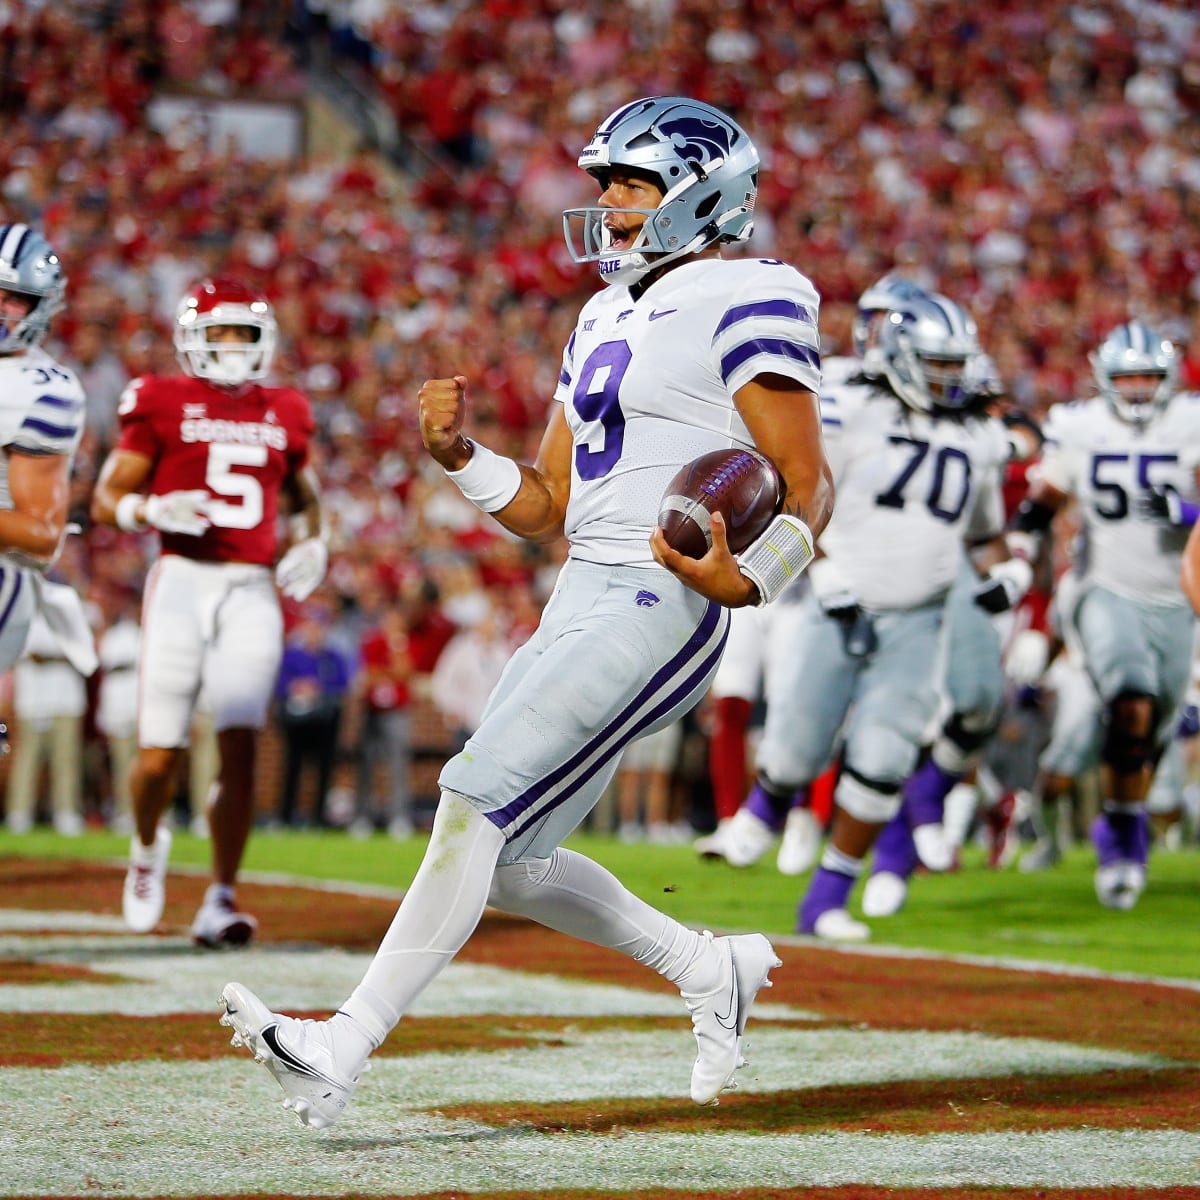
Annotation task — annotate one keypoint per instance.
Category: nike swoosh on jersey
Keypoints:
(666, 312)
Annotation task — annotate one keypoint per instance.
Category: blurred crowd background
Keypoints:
(1038, 162)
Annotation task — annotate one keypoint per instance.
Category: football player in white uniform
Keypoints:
(760, 643)
(684, 353)
(1112, 452)
(41, 422)
(914, 476)
(977, 624)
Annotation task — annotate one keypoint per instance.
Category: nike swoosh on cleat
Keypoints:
(270, 1035)
(666, 312)
(729, 1021)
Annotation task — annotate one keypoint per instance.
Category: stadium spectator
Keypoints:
(385, 739)
(468, 669)
(119, 648)
(311, 687)
(644, 790)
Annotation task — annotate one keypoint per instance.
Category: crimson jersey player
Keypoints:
(211, 460)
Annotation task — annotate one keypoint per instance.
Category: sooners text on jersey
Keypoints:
(240, 446)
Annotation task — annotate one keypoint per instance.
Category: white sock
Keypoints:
(572, 894)
(840, 862)
(142, 855)
(437, 915)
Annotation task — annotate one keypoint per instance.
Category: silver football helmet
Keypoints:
(707, 168)
(930, 349)
(30, 269)
(887, 293)
(1135, 349)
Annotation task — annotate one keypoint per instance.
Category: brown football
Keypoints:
(742, 485)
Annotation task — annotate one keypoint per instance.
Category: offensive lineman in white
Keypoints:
(759, 650)
(1113, 452)
(915, 477)
(684, 353)
(42, 413)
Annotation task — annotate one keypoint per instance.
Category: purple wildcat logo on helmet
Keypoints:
(694, 137)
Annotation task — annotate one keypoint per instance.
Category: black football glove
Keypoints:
(1161, 504)
(837, 601)
(1004, 586)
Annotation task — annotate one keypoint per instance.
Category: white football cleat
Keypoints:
(299, 1055)
(719, 1016)
(219, 923)
(837, 925)
(801, 842)
(933, 848)
(884, 894)
(145, 892)
(1120, 884)
(747, 839)
(712, 845)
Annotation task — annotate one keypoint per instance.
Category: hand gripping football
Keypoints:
(742, 485)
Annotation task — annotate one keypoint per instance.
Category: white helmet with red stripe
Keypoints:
(218, 304)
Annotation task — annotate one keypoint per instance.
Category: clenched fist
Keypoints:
(441, 406)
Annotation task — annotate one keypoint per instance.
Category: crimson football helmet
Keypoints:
(218, 303)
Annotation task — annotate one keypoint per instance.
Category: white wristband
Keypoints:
(777, 557)
(126, 512)
(488, 480)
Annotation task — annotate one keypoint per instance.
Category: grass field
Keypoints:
(1052, 917)
(942, 1061)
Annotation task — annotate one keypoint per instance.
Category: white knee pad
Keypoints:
(864, 803)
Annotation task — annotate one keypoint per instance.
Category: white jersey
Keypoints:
(41, 410)
(1109, 465)
(909, 487)
(648, 385)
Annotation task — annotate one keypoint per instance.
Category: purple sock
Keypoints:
(828, 889)
(1121, 837)
(925, 793)
(771, 809)
(894, 849)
